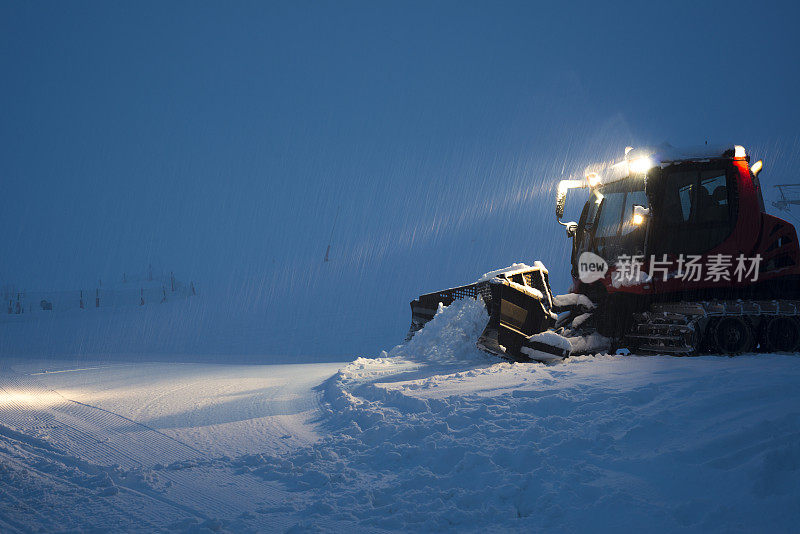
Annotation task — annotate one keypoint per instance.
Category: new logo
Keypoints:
(591, 267)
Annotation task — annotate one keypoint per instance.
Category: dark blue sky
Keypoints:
(219, 139)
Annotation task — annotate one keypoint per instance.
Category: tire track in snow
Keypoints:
(44, 466)
(100, 437)
(100, 430)
(190, 483)
(137, 423)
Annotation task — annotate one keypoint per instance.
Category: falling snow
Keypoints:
(303, 172)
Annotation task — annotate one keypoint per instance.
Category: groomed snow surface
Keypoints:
(433, 435)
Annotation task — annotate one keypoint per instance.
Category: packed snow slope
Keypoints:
(432, 435)
(436, 435)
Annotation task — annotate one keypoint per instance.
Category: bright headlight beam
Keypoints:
(593, 179)
(640, 165)
(640, 214)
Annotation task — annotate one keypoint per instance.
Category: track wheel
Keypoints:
(733, 336)
(781, 334)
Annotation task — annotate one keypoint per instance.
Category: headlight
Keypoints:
(593, 178)
(640, 165)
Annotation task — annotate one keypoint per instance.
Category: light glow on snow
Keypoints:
(10, 397)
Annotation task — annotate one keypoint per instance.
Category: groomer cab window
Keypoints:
(606, 228)
(697, 209)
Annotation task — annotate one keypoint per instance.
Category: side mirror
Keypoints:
(561, 199)
(571, 228)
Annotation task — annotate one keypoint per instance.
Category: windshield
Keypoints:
(608, 229)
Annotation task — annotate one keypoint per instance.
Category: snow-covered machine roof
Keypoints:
(638, 161)
(665, 153)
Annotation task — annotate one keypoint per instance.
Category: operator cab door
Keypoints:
(615, 233)
(585, 233)
(606, 227)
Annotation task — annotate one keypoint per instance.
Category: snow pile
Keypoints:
(552, 339)
(514, 267)
(449, 338)
(557, 347)
(597, 443)
(530, 291)
(573, 300)
(594, 343)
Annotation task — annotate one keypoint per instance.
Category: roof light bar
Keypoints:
(641, 165)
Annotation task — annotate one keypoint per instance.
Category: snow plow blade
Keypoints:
(519, 302)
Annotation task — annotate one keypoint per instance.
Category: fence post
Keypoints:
(141, 297)
(81, 299)
(97, 298)
(163, 292)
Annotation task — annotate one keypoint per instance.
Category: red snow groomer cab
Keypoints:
(673, 253)
(678, 252)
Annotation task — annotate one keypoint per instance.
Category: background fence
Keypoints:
(142, 290)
